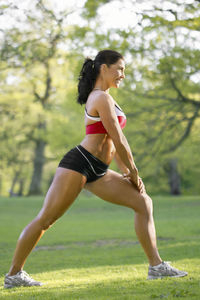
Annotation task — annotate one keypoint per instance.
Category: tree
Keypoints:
(32, 54)
(160, 93)
(162, 76)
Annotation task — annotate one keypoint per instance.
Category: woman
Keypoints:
(86, 166)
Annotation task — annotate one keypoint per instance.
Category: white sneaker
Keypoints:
(20, 279)
(164, 270)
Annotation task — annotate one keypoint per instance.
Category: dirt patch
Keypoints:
(161, 238)
(101, 243)
(98, 243)
(50, 248)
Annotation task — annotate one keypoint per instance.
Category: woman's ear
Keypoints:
(103, 68)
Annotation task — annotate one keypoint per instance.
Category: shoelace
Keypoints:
(25, 276)
(167, 266)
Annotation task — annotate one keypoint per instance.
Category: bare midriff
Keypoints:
(99, 145)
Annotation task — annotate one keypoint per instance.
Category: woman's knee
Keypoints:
(145, 205)
(45, 222)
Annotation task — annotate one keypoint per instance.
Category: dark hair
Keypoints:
(90, 71)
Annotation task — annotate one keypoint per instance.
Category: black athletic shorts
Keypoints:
(82, 161)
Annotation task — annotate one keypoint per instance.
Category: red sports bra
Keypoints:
(98, 127)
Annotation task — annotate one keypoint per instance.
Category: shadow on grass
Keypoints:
(111, 286)
(72, 255)
(99, 253)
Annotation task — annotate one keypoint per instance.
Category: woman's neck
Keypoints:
(98, 88)
(101, 85)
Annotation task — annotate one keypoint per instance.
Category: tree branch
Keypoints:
(185, 135)
(179, 99)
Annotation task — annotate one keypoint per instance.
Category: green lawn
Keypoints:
(92, 251)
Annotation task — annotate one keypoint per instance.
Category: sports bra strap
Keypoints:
(118, 111)
(92, 117)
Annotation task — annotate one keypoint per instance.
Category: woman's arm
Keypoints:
(125, 172)
(105, 107)
(120, 164)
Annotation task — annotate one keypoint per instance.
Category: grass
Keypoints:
(92, 252)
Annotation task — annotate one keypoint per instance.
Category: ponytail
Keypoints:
(87, 80)
(90, 71)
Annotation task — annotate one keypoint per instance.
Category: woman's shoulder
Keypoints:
(103, 97)
(100, 97)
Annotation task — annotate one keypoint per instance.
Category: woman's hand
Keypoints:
(133, 177)
(141, 186)
(135, 180)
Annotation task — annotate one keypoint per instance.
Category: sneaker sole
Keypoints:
(160, 277)
(8, 286)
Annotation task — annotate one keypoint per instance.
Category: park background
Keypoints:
(43, 45)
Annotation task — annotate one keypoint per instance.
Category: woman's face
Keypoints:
(114, 74)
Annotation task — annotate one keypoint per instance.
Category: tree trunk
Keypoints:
(0, 185)
(14, 181)
(21, 187)
(173, 176)
(38, 164)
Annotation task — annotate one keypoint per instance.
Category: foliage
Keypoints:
(33, 61)
(161, 92)
(161, 97)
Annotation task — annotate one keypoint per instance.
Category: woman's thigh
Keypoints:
(64, 189)
(113, 187)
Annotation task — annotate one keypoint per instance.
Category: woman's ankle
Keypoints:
(155, 262)
(13, 271)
